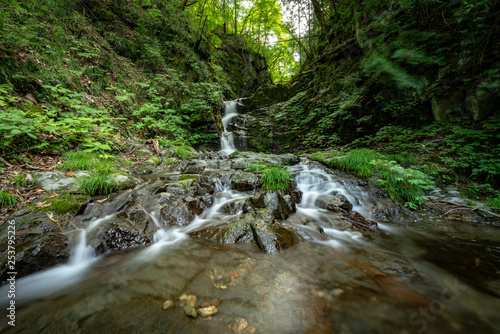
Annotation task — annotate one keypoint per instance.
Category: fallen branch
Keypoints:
(5, 162)
(464, 206)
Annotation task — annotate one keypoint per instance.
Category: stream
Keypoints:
(398, 273)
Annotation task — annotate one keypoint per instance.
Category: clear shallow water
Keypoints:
(412, 276)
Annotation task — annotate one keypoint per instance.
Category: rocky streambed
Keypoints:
(198, 245)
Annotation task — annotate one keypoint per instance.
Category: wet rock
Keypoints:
(193, 167)
(241, 326)
(291, 204)
(289, 159)
(176, 215)
(190, 311)
(245, 182)
(239, 164)
(272, 201)
(120, 238)
(54, 182)
(229, 233)
(34, 252)
(296, 196)
(167, 305)
(360, 223)
(208, 311)
(123, 181)
(337, 203)
(272, 238)
(199, 204)
(233, 207)
(189, 300)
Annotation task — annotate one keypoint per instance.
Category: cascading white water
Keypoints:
(313, 182)
(48, 282)
(227, 139)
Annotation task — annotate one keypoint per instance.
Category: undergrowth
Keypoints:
(7, 200)
(407, 185)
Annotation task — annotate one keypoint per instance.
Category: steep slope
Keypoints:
(69, 67)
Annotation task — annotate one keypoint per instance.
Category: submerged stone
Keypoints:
(190, 311)
(208, 311)
(273, 238)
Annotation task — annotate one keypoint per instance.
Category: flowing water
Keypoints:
(227, 139)
(412, 276)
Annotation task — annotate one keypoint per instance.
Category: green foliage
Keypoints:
(276, 178)
(494, 203)
(184, 152)
(89, 161)
(407, 185)
(98, 185)
(7, 200)
(256, 167)
(463, 151)
(356, 162)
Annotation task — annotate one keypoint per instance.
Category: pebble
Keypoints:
(337, 292)
(168, 304)
(190, 311)
(208, 311)
(189, 300)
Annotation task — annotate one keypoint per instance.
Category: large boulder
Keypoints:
(336, 203)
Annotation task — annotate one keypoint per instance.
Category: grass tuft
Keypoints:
(98, 185)
(89, 161)
(7, 200)
(276, 178)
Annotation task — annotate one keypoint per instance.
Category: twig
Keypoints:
(5, 162)
(31, 167)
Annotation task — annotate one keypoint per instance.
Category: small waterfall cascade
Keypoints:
(227, 139)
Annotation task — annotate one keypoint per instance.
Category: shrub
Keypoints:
(407, 185)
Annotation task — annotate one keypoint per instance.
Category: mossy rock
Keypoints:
(62, 207)
(185, 177)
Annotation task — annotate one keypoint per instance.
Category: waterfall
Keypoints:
(227, 139)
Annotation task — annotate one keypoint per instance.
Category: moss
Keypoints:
(185, 182)
(59, 206)
(189, 177)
